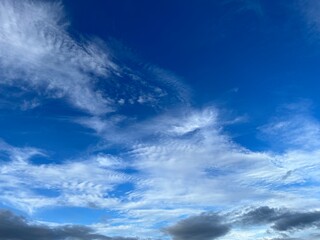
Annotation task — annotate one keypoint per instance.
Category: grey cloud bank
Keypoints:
(202, 227)
(13, 227)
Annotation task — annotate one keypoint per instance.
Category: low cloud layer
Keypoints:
(18, 228)
(297, 221)
(285, 223)
(282, 219)
(206, 226)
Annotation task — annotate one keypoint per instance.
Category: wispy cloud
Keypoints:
(182, 163)
(17, 154)
(310, 13)
(84, 183)
(37, 52)
(293, 127)
(200, 167)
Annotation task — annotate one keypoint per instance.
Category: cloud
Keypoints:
(276, 223)
(286, 238)
(38, 53)
(18, 228)
(125, 131)
(260, 215)
(281, 219)
(310, 10)
(294, 128)
(41, 54)
(190, 163)
(176, 164)
(180, 164)
(201, 227)
(81, 182)
(254, 6)
(297, 221)
(18, 154)
(190, 155)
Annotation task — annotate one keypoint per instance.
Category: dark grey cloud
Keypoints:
(13, 227)
(282, 219)
(285, 238)
(297, 220)
(201, 227)
(261, 215)
(125, 238)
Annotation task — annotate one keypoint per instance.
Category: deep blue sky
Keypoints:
(159, 119)
(261, 49)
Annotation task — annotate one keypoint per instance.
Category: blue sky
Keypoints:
(159, 119)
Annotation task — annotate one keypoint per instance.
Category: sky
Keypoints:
(159, 120)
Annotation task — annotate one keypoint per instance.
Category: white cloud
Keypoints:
(37, 52)
(193, 121)
(299, 131)
(17, 154)
(294, 128)
(84, 183)
(188, 165)
(185, 159)
(205, 169)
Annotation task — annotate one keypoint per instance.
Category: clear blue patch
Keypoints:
(122, 190)
(74, 215)
(51, 193)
